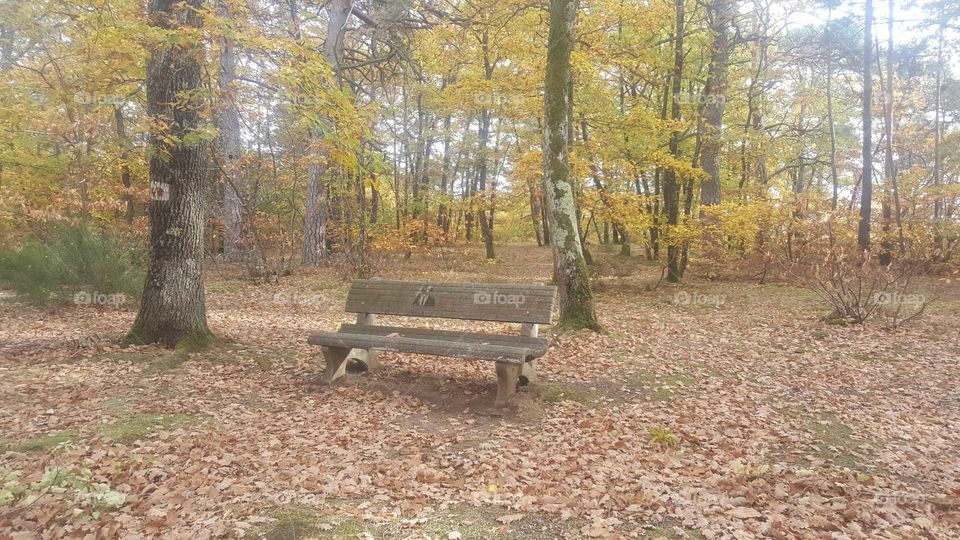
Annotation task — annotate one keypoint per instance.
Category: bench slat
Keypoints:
(447, 335)
(530, 303)
(434, 342)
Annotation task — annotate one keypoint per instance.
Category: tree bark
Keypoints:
(317, 210)
(125, 178)
(889, 172)
(715, 89)
(830, 125)
(570, 268)
(228, 127)
(671, 187)
(172, 310)
(866, 197)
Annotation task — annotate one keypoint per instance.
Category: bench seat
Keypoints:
(502, 348)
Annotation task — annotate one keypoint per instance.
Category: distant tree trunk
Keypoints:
(228, 127)
(318, 204)
(172, 310)
(486, 232)
(715, 89)
(570, 268)
(830, 125)
(486, 222)
(535, 211)
(125, 178)
(890, 178)
(866, 197)
(938, 210)
(443, 220)
(671, 187)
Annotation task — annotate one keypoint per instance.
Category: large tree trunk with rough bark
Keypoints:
(570, 268)
(318, 204)
(173, 310)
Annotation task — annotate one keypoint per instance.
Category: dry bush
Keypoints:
(858, 288)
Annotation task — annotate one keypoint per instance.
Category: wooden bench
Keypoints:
(515, 355)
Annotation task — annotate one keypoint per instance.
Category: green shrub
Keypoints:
(73, 262)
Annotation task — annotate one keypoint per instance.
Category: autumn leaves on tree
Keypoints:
(689, 134)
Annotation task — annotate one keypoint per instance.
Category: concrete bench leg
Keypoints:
(507, 376)
(367, 357)
(528, 373)
(336, 358)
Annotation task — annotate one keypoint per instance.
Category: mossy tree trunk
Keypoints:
(570, 268)
(173, 311)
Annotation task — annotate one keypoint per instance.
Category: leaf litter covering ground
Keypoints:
(740, 415)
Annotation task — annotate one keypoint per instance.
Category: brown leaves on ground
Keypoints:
(742, 418)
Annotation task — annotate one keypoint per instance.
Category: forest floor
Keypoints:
(719, 409)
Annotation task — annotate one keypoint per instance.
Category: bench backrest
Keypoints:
(525, 303)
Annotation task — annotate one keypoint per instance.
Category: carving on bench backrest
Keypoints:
(423, 296)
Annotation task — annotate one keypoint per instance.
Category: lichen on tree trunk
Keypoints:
(570, 269)
(172, 311)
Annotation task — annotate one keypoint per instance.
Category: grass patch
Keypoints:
(45, 442)
(664, 387)
(555, 393)
(226, 286)
(303, 524)
(267, 359)
(481, 523)
(134, 428)
(150, 362)
(866, 357)
(673, 531)
(836, 442)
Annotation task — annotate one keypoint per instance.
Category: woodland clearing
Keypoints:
(719, 409)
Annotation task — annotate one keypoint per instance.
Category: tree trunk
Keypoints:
(228, 127)
(866, 197)
(715, 89)
(318, 204)
(889, 172)
(830, 126)
(486, 222)
(938, 210)
(671, 187)
(570, 268)
(125, 178)
(172, 310)
(443, 220)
